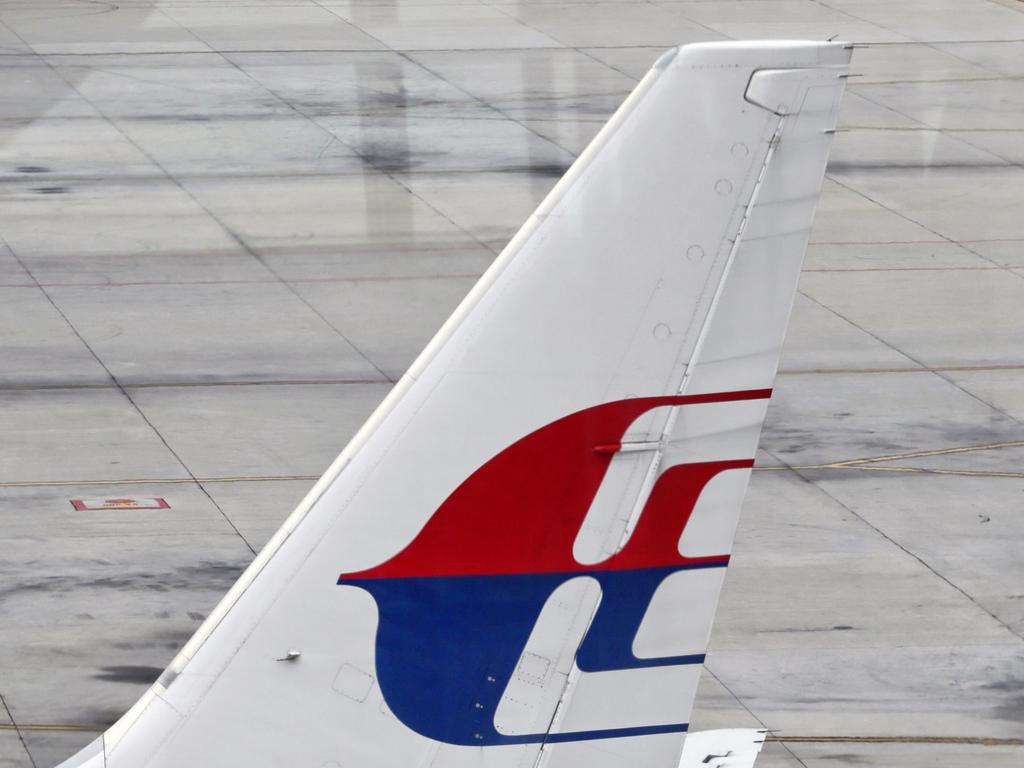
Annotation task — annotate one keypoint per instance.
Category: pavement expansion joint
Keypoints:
(985, 741)
(866, 463)
(871, 463)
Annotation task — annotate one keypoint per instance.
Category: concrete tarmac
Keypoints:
(229, 226)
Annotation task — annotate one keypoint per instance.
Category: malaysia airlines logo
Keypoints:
(457, 605)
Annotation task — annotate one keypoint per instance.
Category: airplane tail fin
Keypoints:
(517, 560)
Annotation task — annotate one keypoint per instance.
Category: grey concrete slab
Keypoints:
(1001, 388)
(820, 419)
(939, 20)
(12, 274)
(51, 747)
(243, 146)
(867, 149)
(416, 27)
(775, 755)
(781, 19)
(845, 216)
(106, 621)
(93, 232)
(341, 6)
(492, 209)
(956, 104)
(40, 348)
(934, 691)
(857, 111)
(12, 752)
(571, 135)
(10, 43)
(382, 84)
(936, 317)
(31, 89)
(820, 339)
(1004, 57)
(78, 434)
(540, 84)
(390, 322)
(493, 145)
(809, 575)
(618, 23)
(271, 27)
(45, 149)
(322, 212)
(1008, 253)
(922, 514)
(133, 579)
(258, 508)
(632, 61)
(186, 333)
(788, 521)
(196, 86)
(386, 261)
(889, 256)
(244, 4)
(259, 430)
(754, 11)
(905, 755)
(1008, 145)
(716, 707)
(70, 28)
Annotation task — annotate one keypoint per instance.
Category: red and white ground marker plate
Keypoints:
(100, 505)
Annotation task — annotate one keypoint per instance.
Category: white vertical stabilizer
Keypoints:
(516, 560)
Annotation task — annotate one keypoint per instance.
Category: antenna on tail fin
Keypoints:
(517, 559)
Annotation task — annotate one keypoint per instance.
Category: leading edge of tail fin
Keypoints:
(516, 561)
